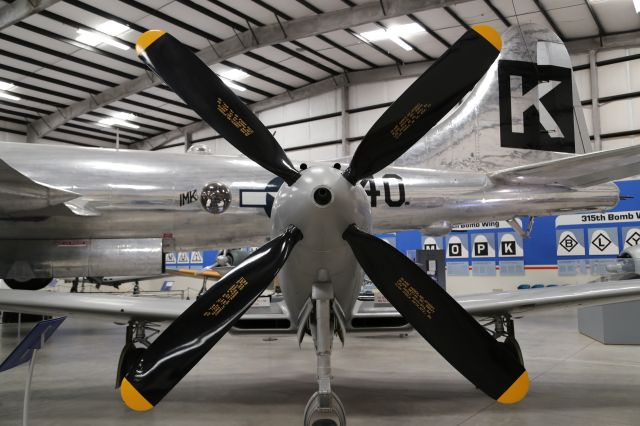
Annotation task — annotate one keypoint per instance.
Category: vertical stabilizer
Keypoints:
(525, 110)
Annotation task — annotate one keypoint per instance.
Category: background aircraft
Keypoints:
(321, 215)
(627, 266)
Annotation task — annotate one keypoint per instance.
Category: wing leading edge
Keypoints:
(114, 308)
(577, 171)
(124, 308)
(520, 301)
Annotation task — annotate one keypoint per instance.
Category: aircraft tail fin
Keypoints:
(526, 109)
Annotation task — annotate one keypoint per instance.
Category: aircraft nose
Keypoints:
(322, 204)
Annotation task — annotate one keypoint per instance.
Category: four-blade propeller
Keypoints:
(484, 361)
(203, 91)
(179, 348)
(430, 310)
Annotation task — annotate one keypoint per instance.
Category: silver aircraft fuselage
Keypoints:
(142, 196)
(139, 194)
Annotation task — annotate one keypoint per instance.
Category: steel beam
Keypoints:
(595, 101)
(21, 9)
(550, 20)
(594, 15)
(87, 141)
(243, 42)
(323, 86)
(188, 141)
(344, 93)
(611, 41)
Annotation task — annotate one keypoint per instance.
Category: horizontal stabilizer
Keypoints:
(579, 171)
(18, 193)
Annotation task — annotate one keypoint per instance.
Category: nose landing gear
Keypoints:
(137, 341)
(324, 407)
(324, 410)
(504, 327)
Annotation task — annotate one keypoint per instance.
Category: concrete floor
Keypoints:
(382, 380)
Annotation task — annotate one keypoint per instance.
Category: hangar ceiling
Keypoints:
(69, 72)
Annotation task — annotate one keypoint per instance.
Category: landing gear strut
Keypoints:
(324, 407)
(137, 341)
(74, 285)
(504, 327)
(203, 289)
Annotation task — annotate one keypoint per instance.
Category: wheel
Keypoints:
(32, 284)
(333, 415)
(514, 347)
(129, 355)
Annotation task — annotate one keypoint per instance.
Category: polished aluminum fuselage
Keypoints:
(141, 195)
(137, 194)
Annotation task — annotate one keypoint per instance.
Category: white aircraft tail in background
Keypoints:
(525, 110)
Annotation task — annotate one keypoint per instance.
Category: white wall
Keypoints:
(616, 116)
(614, 79)
(323, 130)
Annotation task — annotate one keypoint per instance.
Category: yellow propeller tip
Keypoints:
(490, 34)
(517, 391)
(146, 39)
(132, 398)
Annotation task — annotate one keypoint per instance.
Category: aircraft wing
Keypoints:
(522, 301)
(117, 281)
(126, 308)
(576, 171)
(111, 307)
(214, 272)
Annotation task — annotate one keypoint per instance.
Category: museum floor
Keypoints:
(382, 380)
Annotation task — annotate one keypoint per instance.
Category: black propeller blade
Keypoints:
(455, 334)
(426, 101)
(170, 357)
(203, 91)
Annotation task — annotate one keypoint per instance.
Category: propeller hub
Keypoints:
(322, 196)
(321, 203)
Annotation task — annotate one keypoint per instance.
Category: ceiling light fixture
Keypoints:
(4, 88)
(234, 74)
(232, 85)
(111, 28)
(394, 33)
(8, 96)
(231, 75)
(119, 119)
